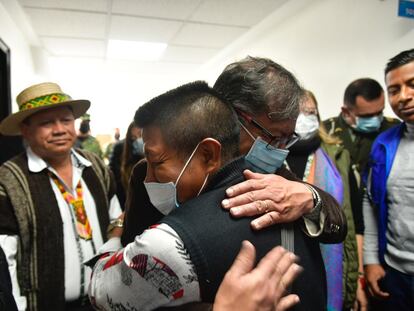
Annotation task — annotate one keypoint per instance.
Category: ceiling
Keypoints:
(195, 30)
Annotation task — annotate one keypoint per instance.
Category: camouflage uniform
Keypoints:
(89, 143)
(359, 146)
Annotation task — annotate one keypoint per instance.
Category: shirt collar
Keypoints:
(36, 164)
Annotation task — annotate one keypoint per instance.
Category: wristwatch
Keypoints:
(117, 223)
(314, 214)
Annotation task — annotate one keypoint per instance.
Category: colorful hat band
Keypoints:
(50, 99)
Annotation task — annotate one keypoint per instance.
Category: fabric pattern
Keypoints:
(149, 273)
(324, 174)
(45, 101)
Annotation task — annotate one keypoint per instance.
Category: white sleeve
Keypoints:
(153, 271)
(111, 246)
(9, 244)
(313, 228)
(370, 232)
(315, 220)
(114, 208)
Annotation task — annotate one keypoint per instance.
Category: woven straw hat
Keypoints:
(40, 97)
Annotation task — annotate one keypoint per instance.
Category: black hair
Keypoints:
(399, 60)
(84, 127)
(368, 88)
(190, 113)
(259, 85)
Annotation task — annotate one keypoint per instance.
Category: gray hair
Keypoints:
(259, 85)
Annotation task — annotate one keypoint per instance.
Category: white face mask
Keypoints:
(307, 126)
(164, 195)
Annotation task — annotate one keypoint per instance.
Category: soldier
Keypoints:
(361, 120)
(85, 140)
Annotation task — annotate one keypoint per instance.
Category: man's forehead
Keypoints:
(363, 106)
(153, 140)
(52, 112)
(400, 74)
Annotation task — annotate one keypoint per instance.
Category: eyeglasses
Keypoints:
(274, 141)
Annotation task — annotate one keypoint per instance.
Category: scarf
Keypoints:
(324, 174)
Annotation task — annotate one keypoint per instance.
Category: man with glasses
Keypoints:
(266, 98)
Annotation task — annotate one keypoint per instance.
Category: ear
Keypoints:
(210, 154)
(345, 110)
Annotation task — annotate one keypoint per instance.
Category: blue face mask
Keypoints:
(164, 195)
(264, 157)
(368, 124)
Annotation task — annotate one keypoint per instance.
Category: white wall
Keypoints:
(22, 68)
(115, 89)
(327, 44)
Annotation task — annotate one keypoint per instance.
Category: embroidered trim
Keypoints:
(45, 101)
(83, 226)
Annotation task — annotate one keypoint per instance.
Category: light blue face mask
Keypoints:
(164, 195)
(368, 124)
(264, 157)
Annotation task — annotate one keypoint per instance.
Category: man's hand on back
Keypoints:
(260, 288)
(277, 199)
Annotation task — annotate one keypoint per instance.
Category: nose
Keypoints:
(406, 93)
(58, 127)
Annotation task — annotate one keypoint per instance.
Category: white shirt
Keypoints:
(74, 256)
(153, 271)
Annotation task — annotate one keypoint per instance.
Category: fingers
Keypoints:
(245, 186)
(244, 261)
(252, 209)
(287, 302)
(375, 290)
(267, 220)
(287, 279)
(248, 174)
(276, 262)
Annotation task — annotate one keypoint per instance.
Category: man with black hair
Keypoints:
(191, 144)
(389, 211)
(56, 203)
(361, 120)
